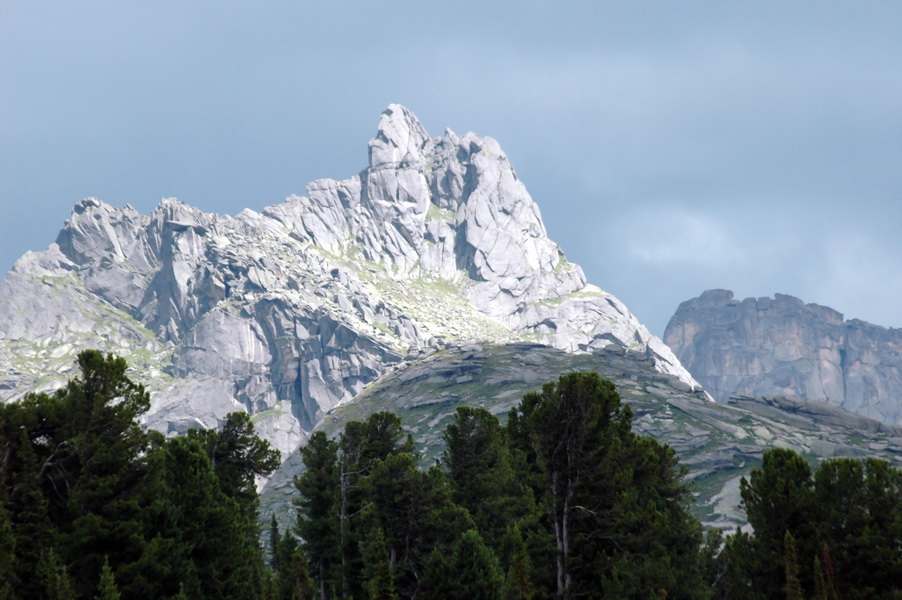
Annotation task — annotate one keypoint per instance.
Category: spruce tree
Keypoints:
(53, 578)
(9, 581)
(317, 509)
(611, 496)
(106, 589)
(792, 587)
(439, 580)
(518, 583)
(478, 572)
(380, 583)
(479, 465)
(274, 539)
(779, 497)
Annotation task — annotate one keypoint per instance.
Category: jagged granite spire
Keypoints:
(288, 312)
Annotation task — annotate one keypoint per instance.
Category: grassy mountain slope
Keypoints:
(717, 442)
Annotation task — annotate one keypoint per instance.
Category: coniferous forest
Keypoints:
(563, 500)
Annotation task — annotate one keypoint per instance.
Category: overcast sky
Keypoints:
(672, 147)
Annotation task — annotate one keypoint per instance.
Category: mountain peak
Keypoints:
(295, 309)
(400, 139)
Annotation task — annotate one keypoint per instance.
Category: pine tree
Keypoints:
(274, 539)
(238, 457)
(209, 550)
(380, 583)
(181, 595)
(518, 583)
(477, 570)
(106, 589)
(299, 584)
(610, 494)
(779, 497)
(792, 586)
(269, 587)
(416, 514)
(829, 574)
(317, 509)
(53, 578)
(30, 524)
(820, 582)
(8, 578)
(439, 580)
(479, 465)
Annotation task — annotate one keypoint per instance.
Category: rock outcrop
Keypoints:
(783, 347)
(289, 312)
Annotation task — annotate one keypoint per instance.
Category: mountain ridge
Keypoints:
(293, 310)
(782, 346)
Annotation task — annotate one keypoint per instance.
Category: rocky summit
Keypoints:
(783, 347)
(291, 311)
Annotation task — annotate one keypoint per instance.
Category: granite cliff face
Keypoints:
(783, 347)
(289, 312)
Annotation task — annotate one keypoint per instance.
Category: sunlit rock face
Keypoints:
(783, 347)
(287, 312)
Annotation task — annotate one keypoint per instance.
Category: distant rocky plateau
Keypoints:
(783, 347)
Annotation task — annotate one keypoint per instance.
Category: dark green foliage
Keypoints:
(181, 595)
(712, 562)
(740, 568)
(618, 509)
(472, 572)
(292, 579)
(415, 511)
(30, 524)
(792, 586)
(860, 522)
(317, 507)
(518, 584)
(779, 497)
(483, 480)
(274, 539)
(97, 505)
(477, 570)
(238, 456)
(79, 476)
(362, 446)
(205, 522)
(845, 520)
(52, 578)
(9, 580)
(380, 584)
(566, 484)
(439, 580)
(106, 589)
(822, 589)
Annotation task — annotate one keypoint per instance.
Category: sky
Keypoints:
(672, 147)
